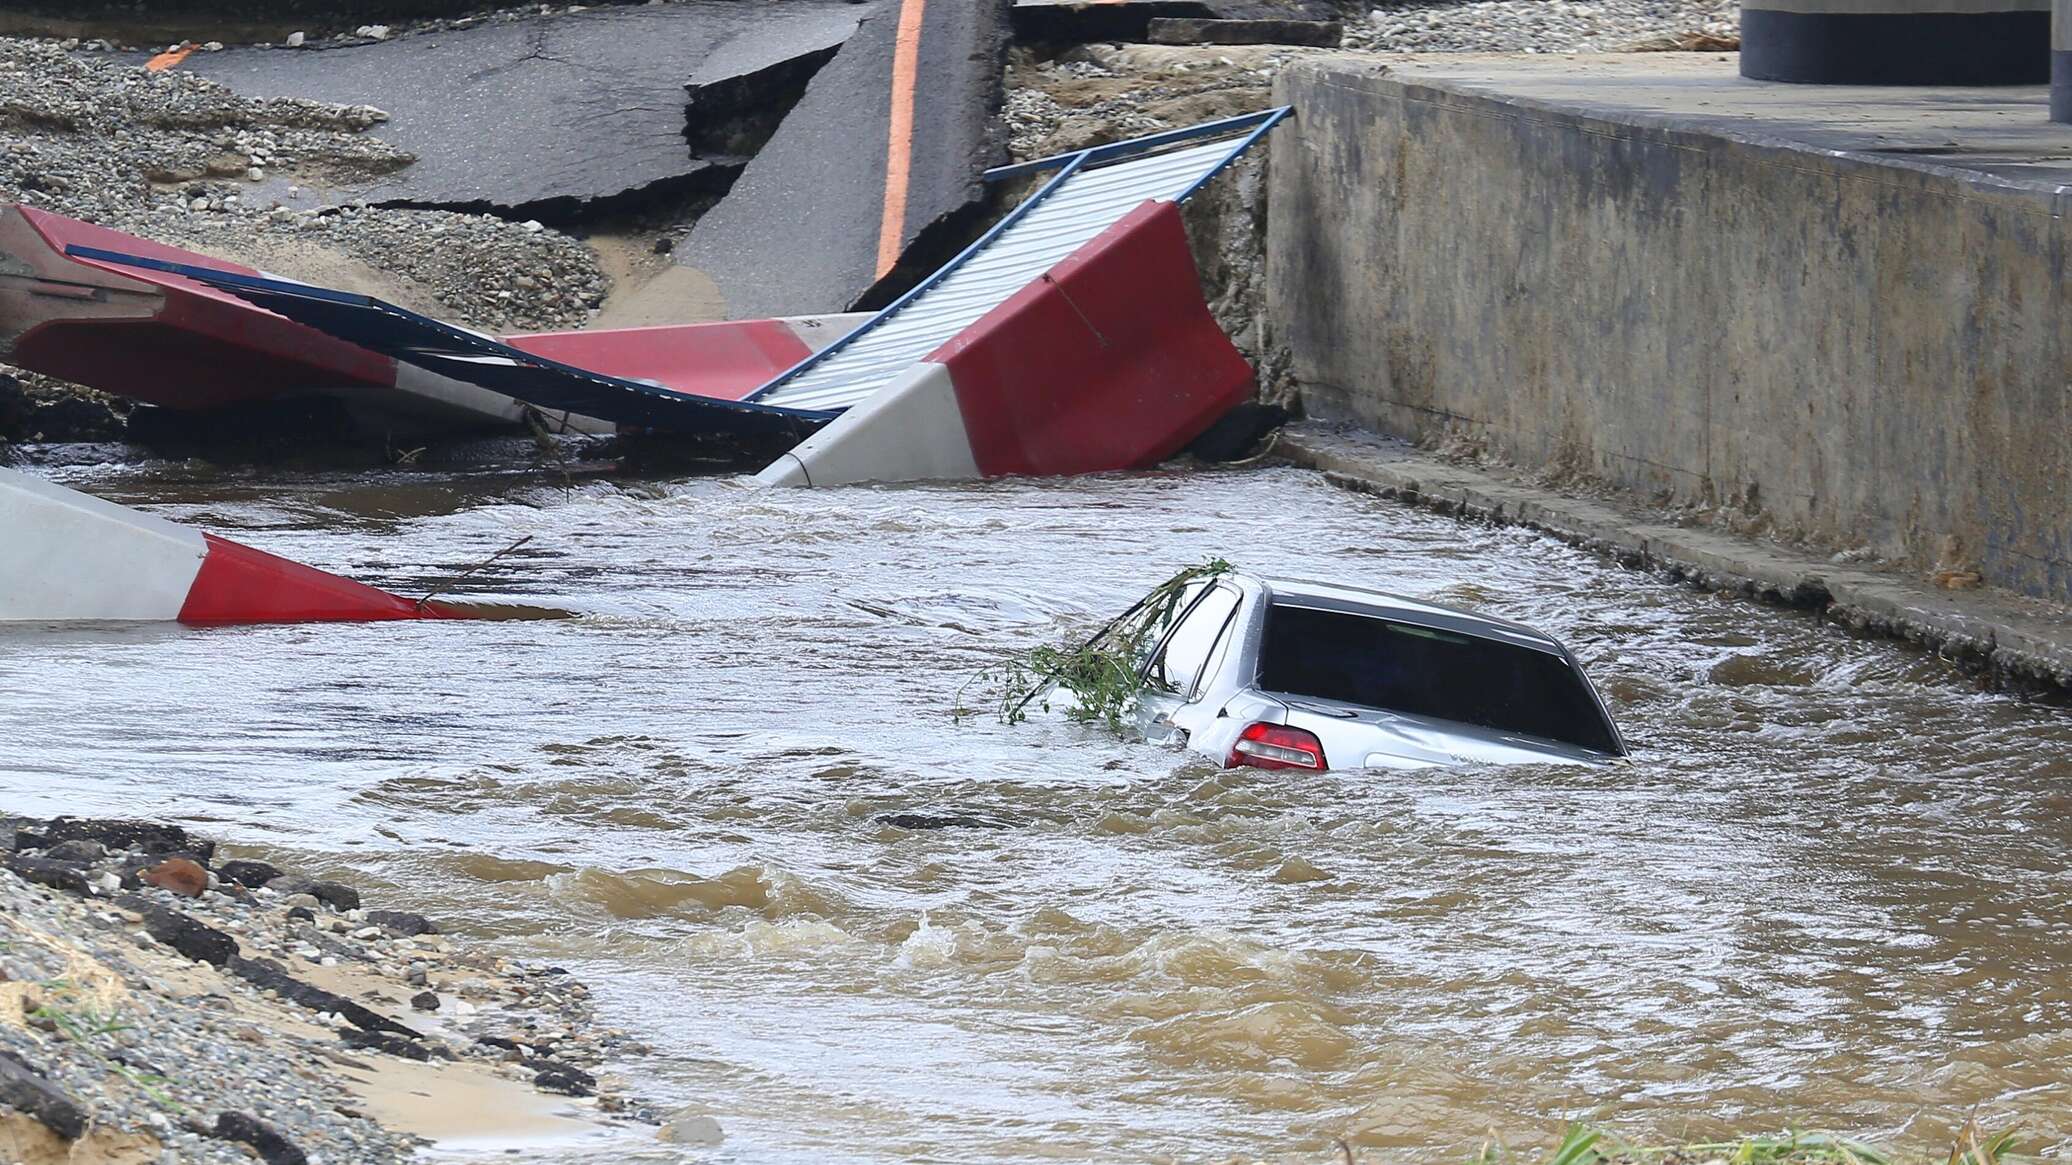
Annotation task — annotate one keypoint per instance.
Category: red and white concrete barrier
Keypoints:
(67, 556)
(1110, 361)
(725, 360)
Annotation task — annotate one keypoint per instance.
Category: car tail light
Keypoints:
(1277, 746)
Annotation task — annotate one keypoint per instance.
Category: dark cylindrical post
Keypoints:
(2061, 61)
(1897, 42)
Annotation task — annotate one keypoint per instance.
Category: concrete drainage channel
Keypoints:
(480, 272)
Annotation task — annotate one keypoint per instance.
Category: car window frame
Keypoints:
(1154, 664)
(1218, 649)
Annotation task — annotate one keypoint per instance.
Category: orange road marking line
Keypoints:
(899, 151)
(169, 58)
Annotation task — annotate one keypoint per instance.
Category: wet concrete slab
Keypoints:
(807, 228)
(549, 115)
(2003, 132)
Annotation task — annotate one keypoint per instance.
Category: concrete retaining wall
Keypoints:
(1860, 352)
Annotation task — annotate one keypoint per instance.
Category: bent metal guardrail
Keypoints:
(1090, 192)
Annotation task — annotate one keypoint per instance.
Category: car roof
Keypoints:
(1380, 604)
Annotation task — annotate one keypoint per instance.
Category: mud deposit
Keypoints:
(1829, 891)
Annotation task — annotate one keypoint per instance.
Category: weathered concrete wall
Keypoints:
(1841, 349)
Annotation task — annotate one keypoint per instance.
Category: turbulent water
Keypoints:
(1830, 890)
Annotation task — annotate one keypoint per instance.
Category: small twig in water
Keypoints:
(544, 438)
(471, 572)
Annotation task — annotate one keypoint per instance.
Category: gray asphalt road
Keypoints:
(545, 114)
(802, 230)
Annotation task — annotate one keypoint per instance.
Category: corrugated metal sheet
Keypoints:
(1090, 194)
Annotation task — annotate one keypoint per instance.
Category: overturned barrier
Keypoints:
(1032, 397)
(67, 556)
(1111, 360)
(140, 320)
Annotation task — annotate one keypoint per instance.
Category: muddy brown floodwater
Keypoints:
(1831, 889)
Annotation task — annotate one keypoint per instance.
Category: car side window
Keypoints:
(1181, 661)
(1217, 654)
(1150, 651)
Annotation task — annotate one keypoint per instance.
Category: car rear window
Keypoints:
(1402, 667)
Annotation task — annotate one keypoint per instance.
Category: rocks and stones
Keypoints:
(196, 940)
(79, 850)
(393, 1045)
(425, 1001)
(402, 922)
(1186, 31)
(27, 1090)
(57, 875)
(692, 1129)
(225, 1040)
(181, 876)
(1536, 26)
(143, 836)
(268, 975)
(35, 408)
(337, 895)
(563, 1079)
(248, 872)
(266, 1140)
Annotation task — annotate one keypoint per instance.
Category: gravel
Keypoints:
(1101, 92)
(102, 997)
(179, 160)
(1540, 26)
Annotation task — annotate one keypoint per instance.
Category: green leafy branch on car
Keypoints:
(1105, 674)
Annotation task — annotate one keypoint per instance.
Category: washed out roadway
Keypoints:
(547, 114)
(891, 137)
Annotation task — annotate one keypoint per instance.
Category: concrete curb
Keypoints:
(2014, 641)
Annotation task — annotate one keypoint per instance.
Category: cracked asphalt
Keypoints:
(546, 114)
(804, 230)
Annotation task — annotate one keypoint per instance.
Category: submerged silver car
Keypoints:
(1276, 674)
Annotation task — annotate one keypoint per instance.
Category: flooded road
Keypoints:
(1831, 890)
